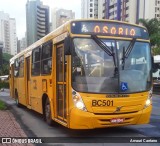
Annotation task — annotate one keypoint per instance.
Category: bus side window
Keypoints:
(46, 64)
(16, 68)
(36, 61)
(21, 66)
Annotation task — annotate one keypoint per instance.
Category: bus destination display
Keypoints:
(109, 28)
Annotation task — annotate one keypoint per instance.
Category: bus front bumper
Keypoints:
(86, 120)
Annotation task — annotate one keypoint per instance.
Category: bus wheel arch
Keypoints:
(47, 109)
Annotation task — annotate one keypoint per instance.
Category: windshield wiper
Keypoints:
(108, 50)
(127, 52)
(102, 45)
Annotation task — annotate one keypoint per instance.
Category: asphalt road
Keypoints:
(34, 126)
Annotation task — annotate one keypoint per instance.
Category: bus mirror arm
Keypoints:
(153, 65)
(67, 45)
(152, 59)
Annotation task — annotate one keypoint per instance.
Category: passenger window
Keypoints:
(36, 61)
(16, 68)
(46, 66)
(21, 66)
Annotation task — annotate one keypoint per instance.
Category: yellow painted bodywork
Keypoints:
(132, 111)
(95, 117)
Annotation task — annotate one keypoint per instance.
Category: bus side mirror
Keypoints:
(154, 65)
(152, 60)
(67, 45)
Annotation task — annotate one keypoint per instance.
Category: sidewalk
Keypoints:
(9, 127)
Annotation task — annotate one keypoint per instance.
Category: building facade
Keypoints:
(8, 33)
(122, 10)
(131, 10)
(60, 16)
(92, 9)
(37, 21)
(101, 9)
(149, 9)
(13, 42)
(1, 57)
(23, 44)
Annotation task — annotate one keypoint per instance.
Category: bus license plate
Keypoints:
(117, 120)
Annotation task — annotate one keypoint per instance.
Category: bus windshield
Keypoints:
(94, 70)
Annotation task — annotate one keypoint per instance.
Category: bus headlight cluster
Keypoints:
(78, 102)
(148, 102)
(149, 99)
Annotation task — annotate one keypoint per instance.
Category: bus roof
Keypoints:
(108, 20)
(62, 29)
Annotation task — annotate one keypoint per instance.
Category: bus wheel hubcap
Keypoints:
(47, 111)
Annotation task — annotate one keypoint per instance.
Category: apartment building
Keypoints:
(1, 59)
(60, 16)
(8, 33)
(149, 9)
(92, 9)
(122, 10)
(37, 20)
(131, 10)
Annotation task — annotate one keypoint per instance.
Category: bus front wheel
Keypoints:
(48, 117)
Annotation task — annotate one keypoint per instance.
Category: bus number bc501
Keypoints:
(102, 102)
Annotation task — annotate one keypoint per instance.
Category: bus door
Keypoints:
(28, 80)
(61, 83)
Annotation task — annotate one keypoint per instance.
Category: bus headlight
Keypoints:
(78, 102)
(149, 99)
(148, 102)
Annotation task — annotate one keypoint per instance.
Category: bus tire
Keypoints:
(47, 113)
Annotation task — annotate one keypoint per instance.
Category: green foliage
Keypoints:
(153, 27)
(4, 69)
(4, 84)
(2, 105)
(7, 57)
(156, 51)
(155, 39)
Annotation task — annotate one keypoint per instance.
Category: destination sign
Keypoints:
(109, 28)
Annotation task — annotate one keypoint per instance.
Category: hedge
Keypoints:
(4, 84)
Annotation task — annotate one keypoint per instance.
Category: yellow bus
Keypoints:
(87, 74)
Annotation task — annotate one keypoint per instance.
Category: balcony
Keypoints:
(41, 19)
(41, 26)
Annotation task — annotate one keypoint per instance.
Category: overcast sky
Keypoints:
(17, 9)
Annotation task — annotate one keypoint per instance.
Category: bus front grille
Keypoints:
(116, 124)
(107, 122)
(118, 113)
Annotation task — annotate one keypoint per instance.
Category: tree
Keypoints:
(4, 69)
(6, 57)
(153, 27)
